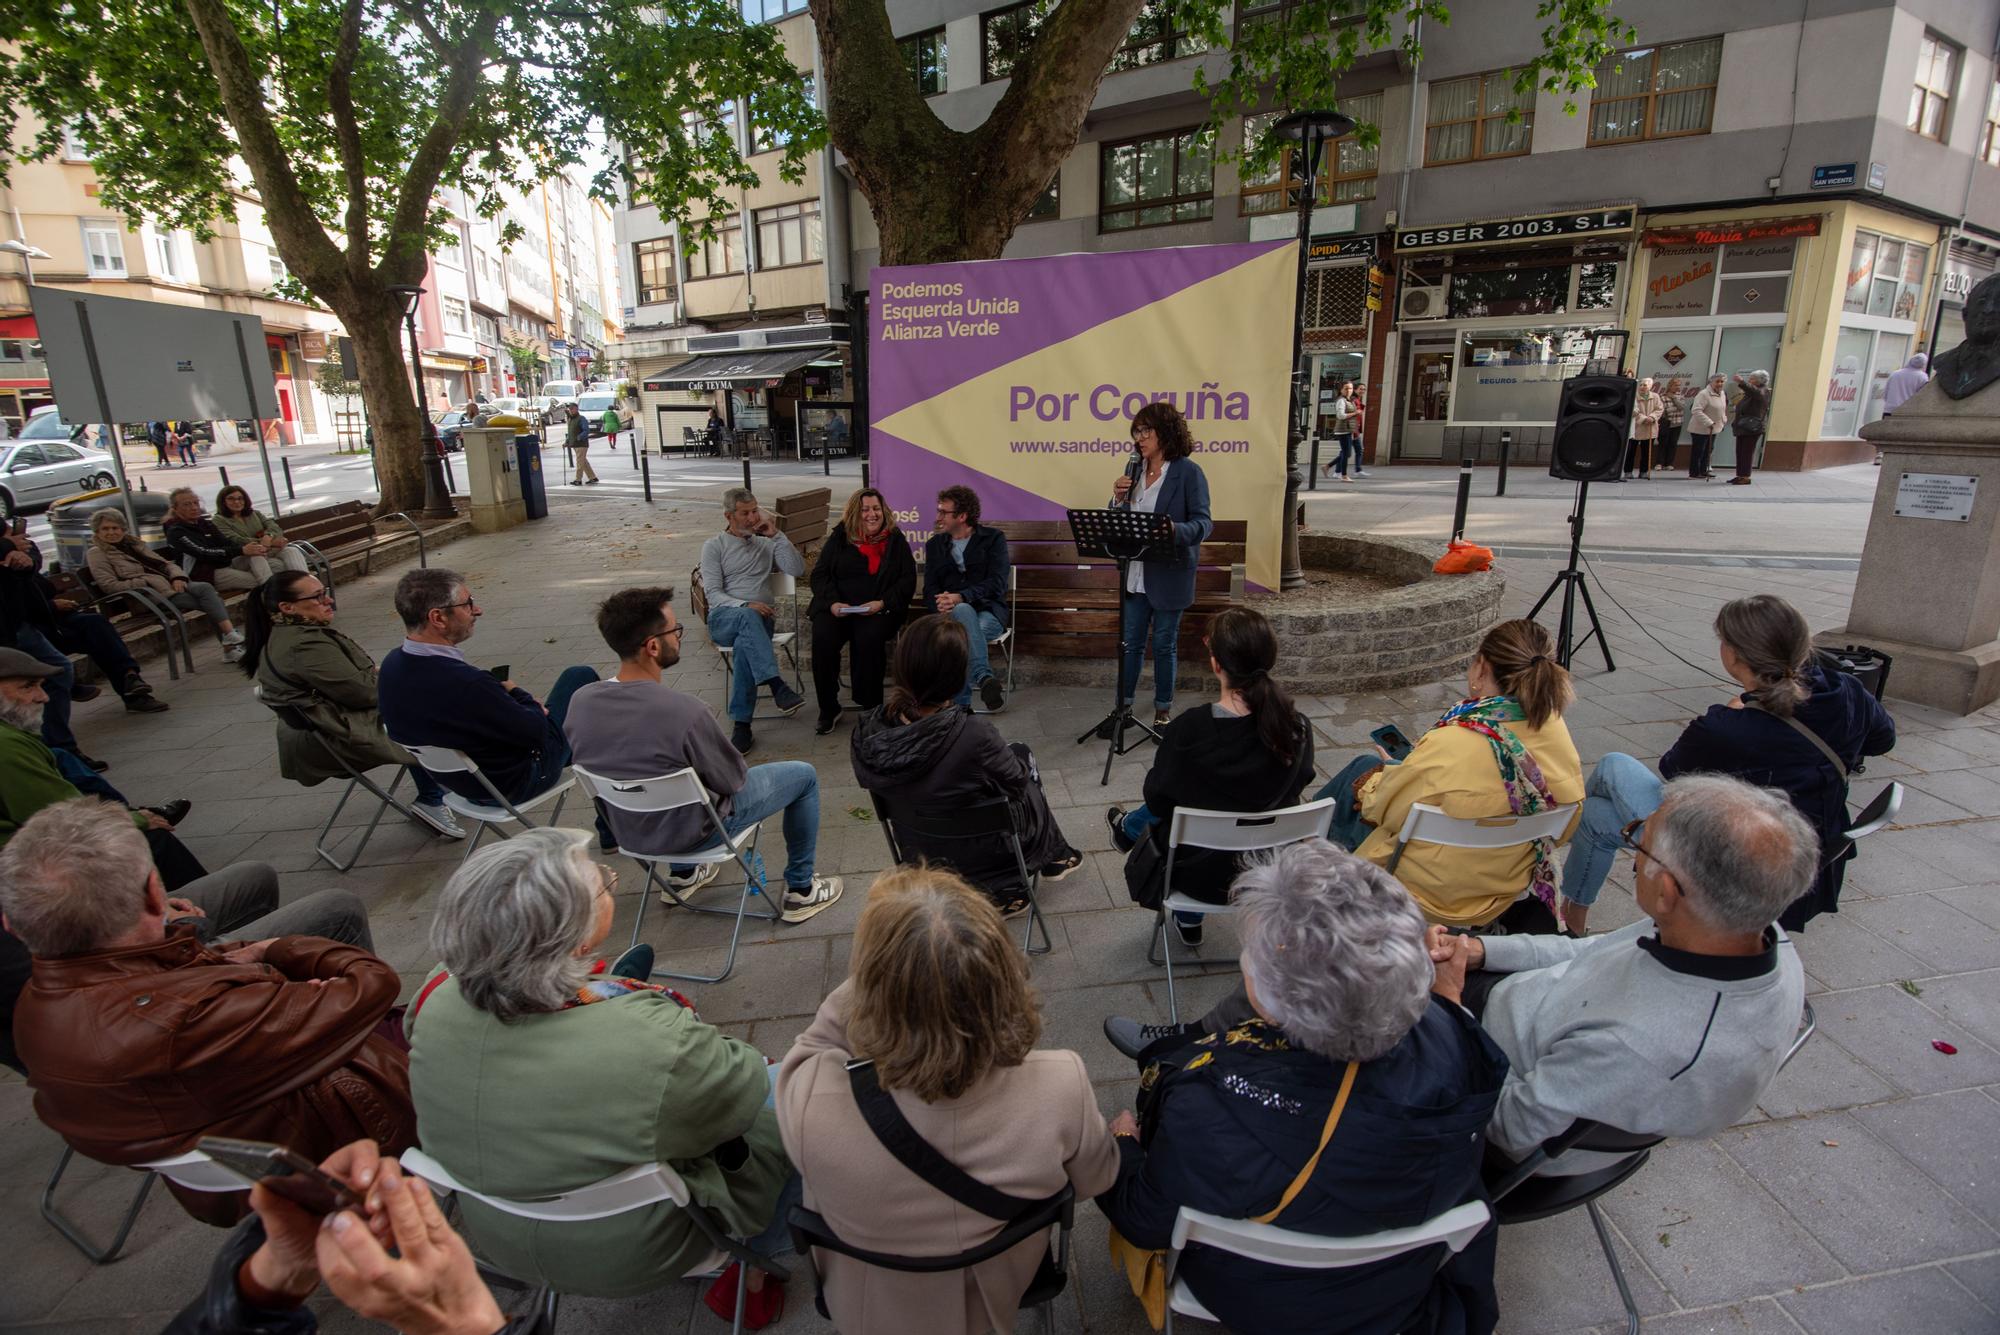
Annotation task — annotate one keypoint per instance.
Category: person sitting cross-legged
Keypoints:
(634, 726)
(431, 696)
(1673, 1026)
(1343, 1099)
(535, 1074)
(736, 567)
(862, 583)
(965, 578)
(140, 1037)
(37, 617)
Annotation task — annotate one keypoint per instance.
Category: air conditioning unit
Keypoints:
(1421, 301)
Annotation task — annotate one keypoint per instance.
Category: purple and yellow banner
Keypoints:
(1019, 379)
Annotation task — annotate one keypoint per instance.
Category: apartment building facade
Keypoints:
(1804, 188)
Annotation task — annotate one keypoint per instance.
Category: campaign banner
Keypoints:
(1019, 379)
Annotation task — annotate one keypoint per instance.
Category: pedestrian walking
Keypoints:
(182, 437)
(157, 433)
(612, 425)
(579, 444)
(1708, 414)
(711, 433)
(1753, 411)
(1647, 409)
(1343, 433)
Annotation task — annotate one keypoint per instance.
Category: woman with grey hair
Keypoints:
(1349, 1101)
(1753, 417)
(533, 1073)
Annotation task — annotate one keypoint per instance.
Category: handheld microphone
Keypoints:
(1134, 467)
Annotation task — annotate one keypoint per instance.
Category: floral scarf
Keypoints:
(604, 986)
(1527, 791)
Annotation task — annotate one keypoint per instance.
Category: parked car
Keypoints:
(449, 425)
(37, 470)
(561, 393)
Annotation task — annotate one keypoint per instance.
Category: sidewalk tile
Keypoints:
(1925, 1300)
(1893, 1033)
(1540, 1292)
(1952, 1137)
(1844, 954)
(1945, 939)
(1759, 1317)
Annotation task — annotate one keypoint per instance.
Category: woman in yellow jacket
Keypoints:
(1503, 750)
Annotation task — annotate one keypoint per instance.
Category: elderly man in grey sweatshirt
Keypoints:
(1673, 1026)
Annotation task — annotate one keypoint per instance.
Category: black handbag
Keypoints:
(1146, 871)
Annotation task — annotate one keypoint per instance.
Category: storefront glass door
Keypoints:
(1739, 352)
(1427, 397)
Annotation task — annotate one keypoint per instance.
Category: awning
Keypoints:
(18, 326)
(732, 368)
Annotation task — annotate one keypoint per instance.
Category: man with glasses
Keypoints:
(633, 726)
(736, 567)
(965, 578)
(1673, 1026)
(431, 695)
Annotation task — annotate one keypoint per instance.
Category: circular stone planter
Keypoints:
(1416, 626)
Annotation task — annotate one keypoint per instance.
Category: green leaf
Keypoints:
(1909, 987)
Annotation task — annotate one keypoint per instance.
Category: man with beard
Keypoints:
(633, 726)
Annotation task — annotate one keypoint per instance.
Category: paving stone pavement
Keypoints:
(1862, 1196)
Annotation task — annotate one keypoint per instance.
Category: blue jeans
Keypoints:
(85, 779)
(548, 766)
(1138, 821)
(980, 627)
(430, 792)
(749, 635)
(1350, 446)
(1348, 829)
(1620, 790)
(790, 786)
(55, 714)
(1134, 612)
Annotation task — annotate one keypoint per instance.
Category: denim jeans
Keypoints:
(1134, 612)
(85, 779)
(1348, 830)
(1350, 447)
(55, 714)
(980, 627)
(749, 635)
(430, 792)
(548, 766)
(1138, 821)
(790, 786)
(1620, 790)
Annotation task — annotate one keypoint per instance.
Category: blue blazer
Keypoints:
(1183, 499)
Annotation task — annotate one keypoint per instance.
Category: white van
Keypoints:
(561, 392)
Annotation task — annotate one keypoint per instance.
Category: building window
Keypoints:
(1048, 204)
(1937, 78)
(1989, 143)
(764, 138)
(1276, 11)
(1007, 35)
(1154, 182)
(1885, 276)
(1346, 171)
(766, 11)
(1154, 38)
(170, 255)
(721, 253)
(74, 149)
(455, 315)
(451, 252)
(1468, 119)
(923, 52)
(788, 234)
(1655, 92)
(279, 273)
(653, 263)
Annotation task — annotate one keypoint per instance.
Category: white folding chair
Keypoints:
(621, 1193)
(1427, 824)
(671, 792)
(500, 811)
(1005, 639)
(193, 1170)
(297, 719)
(1229, 832)
(1883, 810)
(1455, 1228)
(785, 641)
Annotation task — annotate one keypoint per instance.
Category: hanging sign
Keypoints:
(1729, 233)
(1540, 227)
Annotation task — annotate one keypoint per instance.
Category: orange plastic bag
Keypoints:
(1464, 558)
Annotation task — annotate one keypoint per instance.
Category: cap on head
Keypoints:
(15, 665)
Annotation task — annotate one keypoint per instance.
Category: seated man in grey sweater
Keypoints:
(736, 569)
(633, 726)
(1673, 1026)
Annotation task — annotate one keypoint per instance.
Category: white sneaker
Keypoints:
(232, 653)
(1361, 472)
(234, 636)
(803, 904)
(703, 873)
(439, 818)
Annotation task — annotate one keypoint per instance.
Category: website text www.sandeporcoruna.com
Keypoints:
(1109, 446)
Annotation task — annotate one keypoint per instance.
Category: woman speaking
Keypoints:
(1157, 592)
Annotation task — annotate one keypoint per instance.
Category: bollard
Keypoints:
(1464, 498)
(1312, 471)
(290, 495)
(864, 474)
(746, 472)
(646, 477)
(142, 482)
(225, 474)
(635, 449)
(450, 482)
(1506, 448)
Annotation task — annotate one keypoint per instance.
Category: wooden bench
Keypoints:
(1066, 606)
(805, 517)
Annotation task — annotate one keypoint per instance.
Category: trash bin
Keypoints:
(70, 521)
(1869, 666)
(528, 466)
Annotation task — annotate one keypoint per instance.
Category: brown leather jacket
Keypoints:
(137, 1051)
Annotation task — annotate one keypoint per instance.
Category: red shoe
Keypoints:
(761, 1306)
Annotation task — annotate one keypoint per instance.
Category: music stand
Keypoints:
(1123, 536)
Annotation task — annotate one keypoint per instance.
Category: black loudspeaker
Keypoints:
(1593, 422)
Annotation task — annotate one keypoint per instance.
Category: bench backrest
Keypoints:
(1066, 605)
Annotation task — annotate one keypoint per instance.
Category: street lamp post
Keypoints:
(437, 498)
(1310, 130)
(29, 254)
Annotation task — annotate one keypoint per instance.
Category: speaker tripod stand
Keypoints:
(1571, 582)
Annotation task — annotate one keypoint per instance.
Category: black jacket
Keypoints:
(983, 582)
(1226, 1124)
(949, 761)
(1759, 748)
(1218, 764)
(840, 575)
(203, 541)
(26, 596)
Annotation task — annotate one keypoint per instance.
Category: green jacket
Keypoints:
(552, 1102)
(242, 530)
(30, 780)
(332, 679)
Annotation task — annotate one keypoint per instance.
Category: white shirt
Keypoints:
(1145, 498)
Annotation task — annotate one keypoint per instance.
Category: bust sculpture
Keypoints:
(1975, 363)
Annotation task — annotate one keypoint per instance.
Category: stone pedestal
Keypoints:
(494, 486)
(1929, 589)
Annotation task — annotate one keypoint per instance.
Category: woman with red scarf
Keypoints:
(862, 584)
